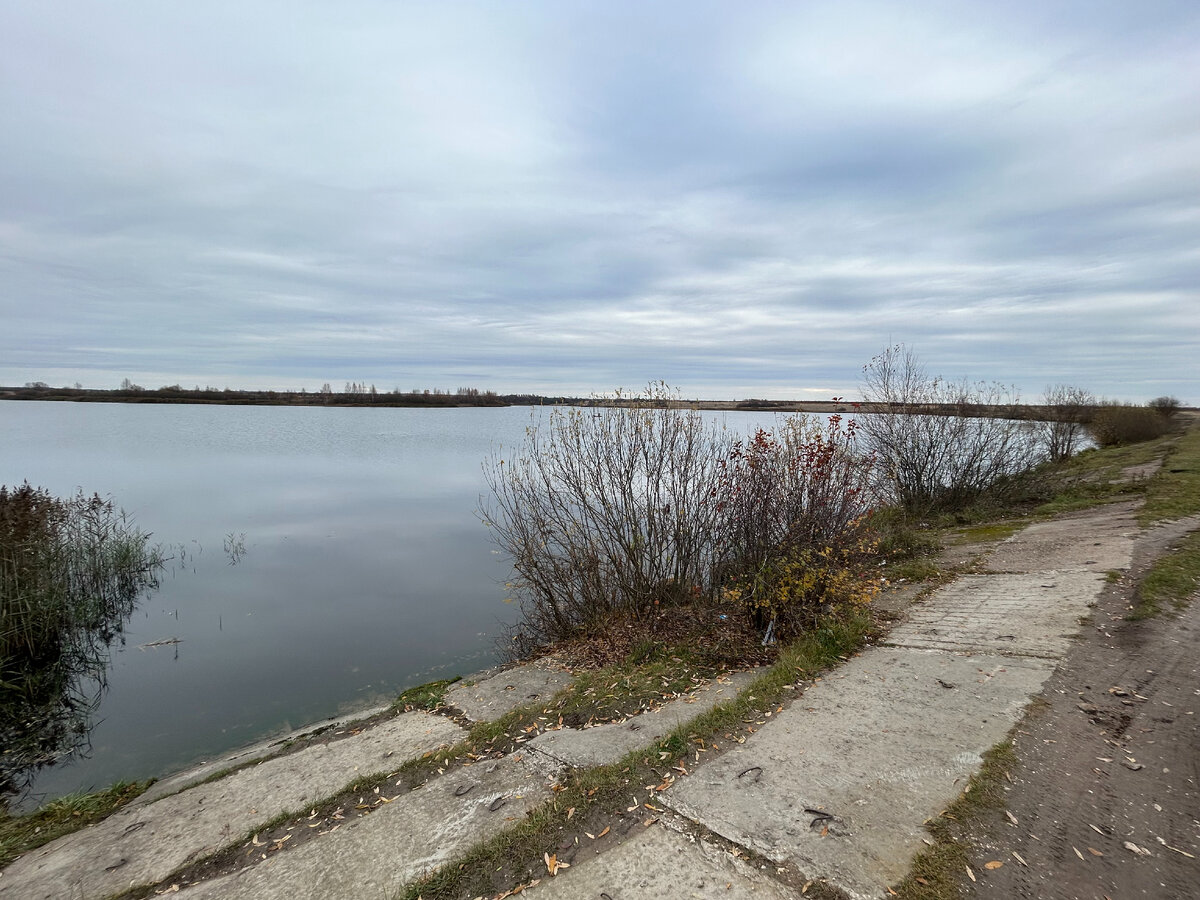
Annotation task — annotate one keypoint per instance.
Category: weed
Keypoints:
(430, 695)
(995, 531)
(1174, 491)
(937, 871)
(20, 834)
(1172, 581)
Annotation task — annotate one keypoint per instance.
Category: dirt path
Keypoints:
(1106, 793)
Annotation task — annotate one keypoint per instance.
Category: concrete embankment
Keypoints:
(836, 785)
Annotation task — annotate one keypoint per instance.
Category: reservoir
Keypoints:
(322, 560)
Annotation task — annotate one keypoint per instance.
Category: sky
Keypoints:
(740, 199)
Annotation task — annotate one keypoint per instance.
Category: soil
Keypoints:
(1105, 797)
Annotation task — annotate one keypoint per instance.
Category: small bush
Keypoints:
(798, 587)
(1114, 425)
(607, 513)
(941, 445)
(1068, 409)
(1166, 407)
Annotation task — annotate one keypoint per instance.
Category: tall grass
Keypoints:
(71, 571)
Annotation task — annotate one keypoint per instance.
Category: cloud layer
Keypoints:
(565, 197)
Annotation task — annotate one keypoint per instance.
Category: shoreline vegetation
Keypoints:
(355, 395)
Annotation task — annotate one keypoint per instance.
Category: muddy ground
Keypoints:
(1104, 801)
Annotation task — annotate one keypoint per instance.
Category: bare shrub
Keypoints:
(608, 512)
(1115, 424)
(1069, 409)
(941, 445)
(1166, 407)
(616, 513)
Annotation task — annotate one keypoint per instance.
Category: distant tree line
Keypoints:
(353, 393)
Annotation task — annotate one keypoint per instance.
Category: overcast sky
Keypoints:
(742, 199)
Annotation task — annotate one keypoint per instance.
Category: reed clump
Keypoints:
(71, 571)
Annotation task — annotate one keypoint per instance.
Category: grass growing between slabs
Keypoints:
(590, 804)
(22, 833)
(939, 869)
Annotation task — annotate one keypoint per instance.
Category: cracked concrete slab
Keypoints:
(498, 694)
(1025, 615)
(606, 744)
(658, 863)
(857, 747)
(375, 856)
(1096, 540)
(144, 844)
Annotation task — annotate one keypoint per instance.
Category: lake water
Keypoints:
(365, 569)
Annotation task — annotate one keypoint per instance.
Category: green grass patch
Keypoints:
(1174, 491)
(22, 833)
(938, 871)
(1171, 582)
(920, 569)
(430, 695)
(590, 797)
(995, 531)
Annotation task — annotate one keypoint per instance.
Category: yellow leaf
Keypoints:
(994, 864)
(604, 832)
(970, 874)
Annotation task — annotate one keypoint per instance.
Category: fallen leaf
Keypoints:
(1017, 857)
(1077, 853)
(994, 864)
(1094, 851)
(1011, 817)
(970, 874)
(604, 832)
(1140, 851)
(552, 863)
(570, 812)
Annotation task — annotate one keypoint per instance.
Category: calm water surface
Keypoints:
(365, 568)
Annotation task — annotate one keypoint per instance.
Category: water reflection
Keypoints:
(71, 573)
(361, 567)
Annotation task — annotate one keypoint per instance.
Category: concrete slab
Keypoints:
(377, 855)
(859, 746)
(1096, 540)
(501, 693)
(606, 744)
(1024, 615)
(660, 864)
(144, 844)
(197, 773)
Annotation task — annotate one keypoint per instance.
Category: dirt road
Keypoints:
(1105, 799)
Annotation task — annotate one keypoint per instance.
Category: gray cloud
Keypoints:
(554, 198)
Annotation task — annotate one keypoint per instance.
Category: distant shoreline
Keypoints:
(364, 397)
(468, 398)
